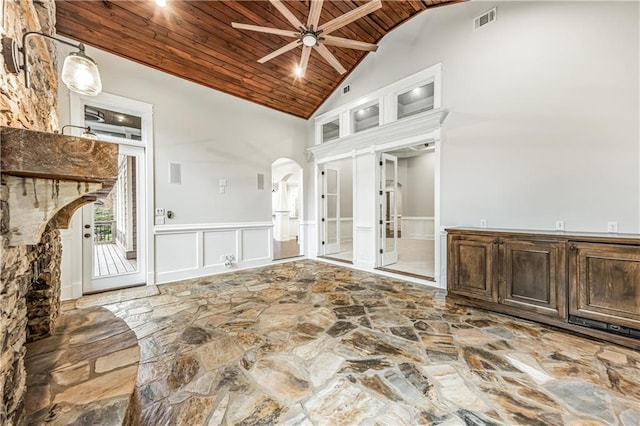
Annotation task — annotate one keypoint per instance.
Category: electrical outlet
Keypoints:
(559, 225)
(222, 189)
(159, 212)
(483, 223)
(224, 257)
(612, 227)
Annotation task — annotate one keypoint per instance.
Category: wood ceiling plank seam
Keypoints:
(280, 61)
(177, 52)
(232, 78)
(361, 26)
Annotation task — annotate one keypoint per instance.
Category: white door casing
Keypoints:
(146, 242)
(388, 224)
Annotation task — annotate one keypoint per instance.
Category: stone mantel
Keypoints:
(47, 176)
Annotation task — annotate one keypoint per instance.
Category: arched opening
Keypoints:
(286, 208)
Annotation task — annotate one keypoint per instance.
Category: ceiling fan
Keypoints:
(314, 36)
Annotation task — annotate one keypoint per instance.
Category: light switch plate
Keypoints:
(222, 182)
(159, 212)
(222, 189)
(159, 220)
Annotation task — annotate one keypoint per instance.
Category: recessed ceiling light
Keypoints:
(120, 118)
(161, 3)
(417, 90)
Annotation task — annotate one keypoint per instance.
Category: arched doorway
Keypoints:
(286, 207)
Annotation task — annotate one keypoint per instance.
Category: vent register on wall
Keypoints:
(485, 19)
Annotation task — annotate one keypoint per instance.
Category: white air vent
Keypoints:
(484, 19)
(345, 89)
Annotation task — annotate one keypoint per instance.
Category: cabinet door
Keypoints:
(605, 283)
(471, 266)
(533, 276)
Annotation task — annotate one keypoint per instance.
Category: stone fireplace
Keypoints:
(44, 178)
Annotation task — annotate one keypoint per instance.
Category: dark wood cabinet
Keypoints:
(472, 274)
(533, 276)
(605, 283)
(588, 283)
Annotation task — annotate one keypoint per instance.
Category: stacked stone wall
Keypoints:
(29, 275)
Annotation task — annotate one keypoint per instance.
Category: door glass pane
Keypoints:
(332, 206)
(332, 231)
(115, 231)
(112, 123)
(331, 130)
(365, 118)
(415, 101)
(332, 181)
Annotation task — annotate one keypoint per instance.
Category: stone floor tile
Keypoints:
(308, 343)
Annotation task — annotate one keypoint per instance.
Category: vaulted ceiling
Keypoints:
(194, 40)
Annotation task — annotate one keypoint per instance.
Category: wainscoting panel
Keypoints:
(364, 255)
(176, 252)
(346, 229)
(256, 244)
(218, 244)
(417, 228)
(190, 251)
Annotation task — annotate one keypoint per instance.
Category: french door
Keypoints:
(331, 210)
(388, 228)
(113, 240)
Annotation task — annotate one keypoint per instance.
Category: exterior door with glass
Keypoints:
(388, 228)
(113, 240)
(331, 210)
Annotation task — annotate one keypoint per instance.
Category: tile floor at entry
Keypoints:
(305, 343)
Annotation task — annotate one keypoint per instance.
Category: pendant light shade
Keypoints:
(80, 74)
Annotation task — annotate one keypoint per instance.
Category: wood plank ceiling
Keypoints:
(194, 40)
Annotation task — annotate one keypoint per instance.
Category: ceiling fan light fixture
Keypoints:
(161, 3)
(309, 39)
(298, 71)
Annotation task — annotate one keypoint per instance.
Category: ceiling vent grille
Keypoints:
(484, 19)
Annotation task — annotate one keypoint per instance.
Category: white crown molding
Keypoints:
(422, 127)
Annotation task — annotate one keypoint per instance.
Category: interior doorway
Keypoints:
(407, 210)
(337, 210)
(286, 196)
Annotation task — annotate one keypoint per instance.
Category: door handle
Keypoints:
(87, 235)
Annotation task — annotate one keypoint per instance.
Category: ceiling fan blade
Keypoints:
(278, 31)
(280, 51)
(351, 16)
(328, 56)
(314, 14)
(304, 61)
(287, 14)
(348, 43)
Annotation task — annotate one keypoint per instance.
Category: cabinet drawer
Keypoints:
(605, 283)
(471, 267)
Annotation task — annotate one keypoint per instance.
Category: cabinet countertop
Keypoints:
(558, 235)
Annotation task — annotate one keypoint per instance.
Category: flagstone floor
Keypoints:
(307, 343)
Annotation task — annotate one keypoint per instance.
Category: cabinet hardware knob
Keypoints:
(87, 235)
(495, 241)
(572, 247)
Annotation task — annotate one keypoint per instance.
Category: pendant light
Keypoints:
(79, 72)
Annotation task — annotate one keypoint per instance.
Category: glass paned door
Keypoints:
(113, 237)
(389, 210)
(331, 211)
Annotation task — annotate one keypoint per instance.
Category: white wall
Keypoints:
(418, 198)
(544, 110)
(213, 136)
